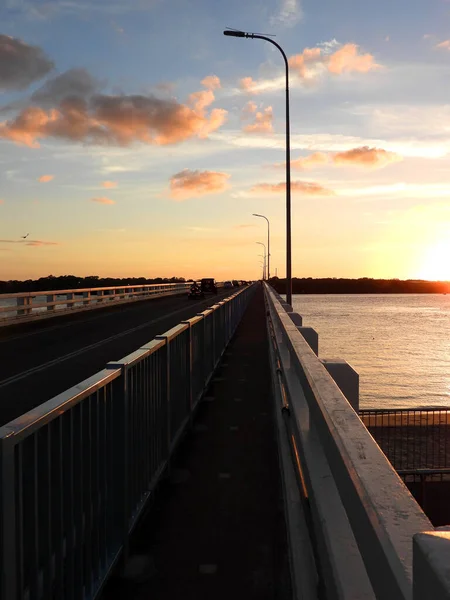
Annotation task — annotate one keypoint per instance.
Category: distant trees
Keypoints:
(364, 285)
(71, 282)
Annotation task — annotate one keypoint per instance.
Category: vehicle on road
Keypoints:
(208, 285)
(227, 285)
(195, 292)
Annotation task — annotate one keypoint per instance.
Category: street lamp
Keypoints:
(268, 243)
(244, 34)
(263, 263)
(265, 253)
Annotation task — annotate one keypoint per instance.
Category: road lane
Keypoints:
(36, 363)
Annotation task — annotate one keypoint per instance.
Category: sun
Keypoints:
(435, 263)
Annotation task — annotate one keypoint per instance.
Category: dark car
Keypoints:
(208, 286)
(236, 283)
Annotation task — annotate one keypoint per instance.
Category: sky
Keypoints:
(137, 140)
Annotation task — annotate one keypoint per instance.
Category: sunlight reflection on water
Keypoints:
(398, 343)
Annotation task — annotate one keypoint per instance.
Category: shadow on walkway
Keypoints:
(216, 528)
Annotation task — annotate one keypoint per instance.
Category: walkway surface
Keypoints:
(216, 529)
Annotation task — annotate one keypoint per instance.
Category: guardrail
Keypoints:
(30, 305)
(363, 520)
(78, 470)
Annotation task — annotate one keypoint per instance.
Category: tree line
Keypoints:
(364, 285)
(72, 282)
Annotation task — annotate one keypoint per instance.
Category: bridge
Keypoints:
(159, 448)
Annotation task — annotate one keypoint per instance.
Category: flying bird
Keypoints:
(25, 236)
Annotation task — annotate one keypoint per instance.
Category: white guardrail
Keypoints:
(27, 306)
(369, 537)
(78, 470)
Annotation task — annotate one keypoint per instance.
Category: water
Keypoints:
(398, 343)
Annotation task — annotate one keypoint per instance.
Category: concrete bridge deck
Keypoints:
(216, 528)
(39, 360)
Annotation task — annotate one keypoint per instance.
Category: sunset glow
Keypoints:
(145, 149)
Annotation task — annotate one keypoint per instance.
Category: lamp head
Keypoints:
(233, 33)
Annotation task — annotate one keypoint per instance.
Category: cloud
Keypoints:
(77, 83)
(2, 201)
(366, 157)
(307, 162)
(262, 122)
(28, 242)
(445, 45)
(21, 64)
(45, 178)
(116, 120)
(103, 200)
(212, 82)
(312, 64)
(249, 85)
(301, 63)
(309, 188)
(361, 156)
(109, 184)
(348, 60)
(190, 184)
(40, 243)
(289, 13)
(249, 109)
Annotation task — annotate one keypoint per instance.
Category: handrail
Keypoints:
(59, 302)
(372, 505)
(77, 471)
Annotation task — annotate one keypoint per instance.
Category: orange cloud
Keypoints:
(366, 157)
(262, 123)
(299, 63)
(118, 120)
(201, 100)
(309, 188)
(445, 45)
(347, 60)
(212, 82)
(103, 200)
(249, 109)
(45, 178)
(110, 184)
(248, 85)
(190, 184)
(2, 201)
(307, 162)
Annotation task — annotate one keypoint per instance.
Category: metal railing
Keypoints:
(363, 521)
(412, 438)
(27, 306)
(77, 471)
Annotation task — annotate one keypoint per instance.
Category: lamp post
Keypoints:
(263, 263)
(265, 253)
(268, 243)
(244, 34)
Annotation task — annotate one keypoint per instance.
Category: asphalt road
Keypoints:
(42, 359)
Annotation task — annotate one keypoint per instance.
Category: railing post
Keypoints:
(70, 297)
(189, 368)
(51, 298)
(167, 395)
(24, 301)
(87, 297)
(8, 505)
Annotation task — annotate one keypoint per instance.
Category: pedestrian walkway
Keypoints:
(216, 529)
